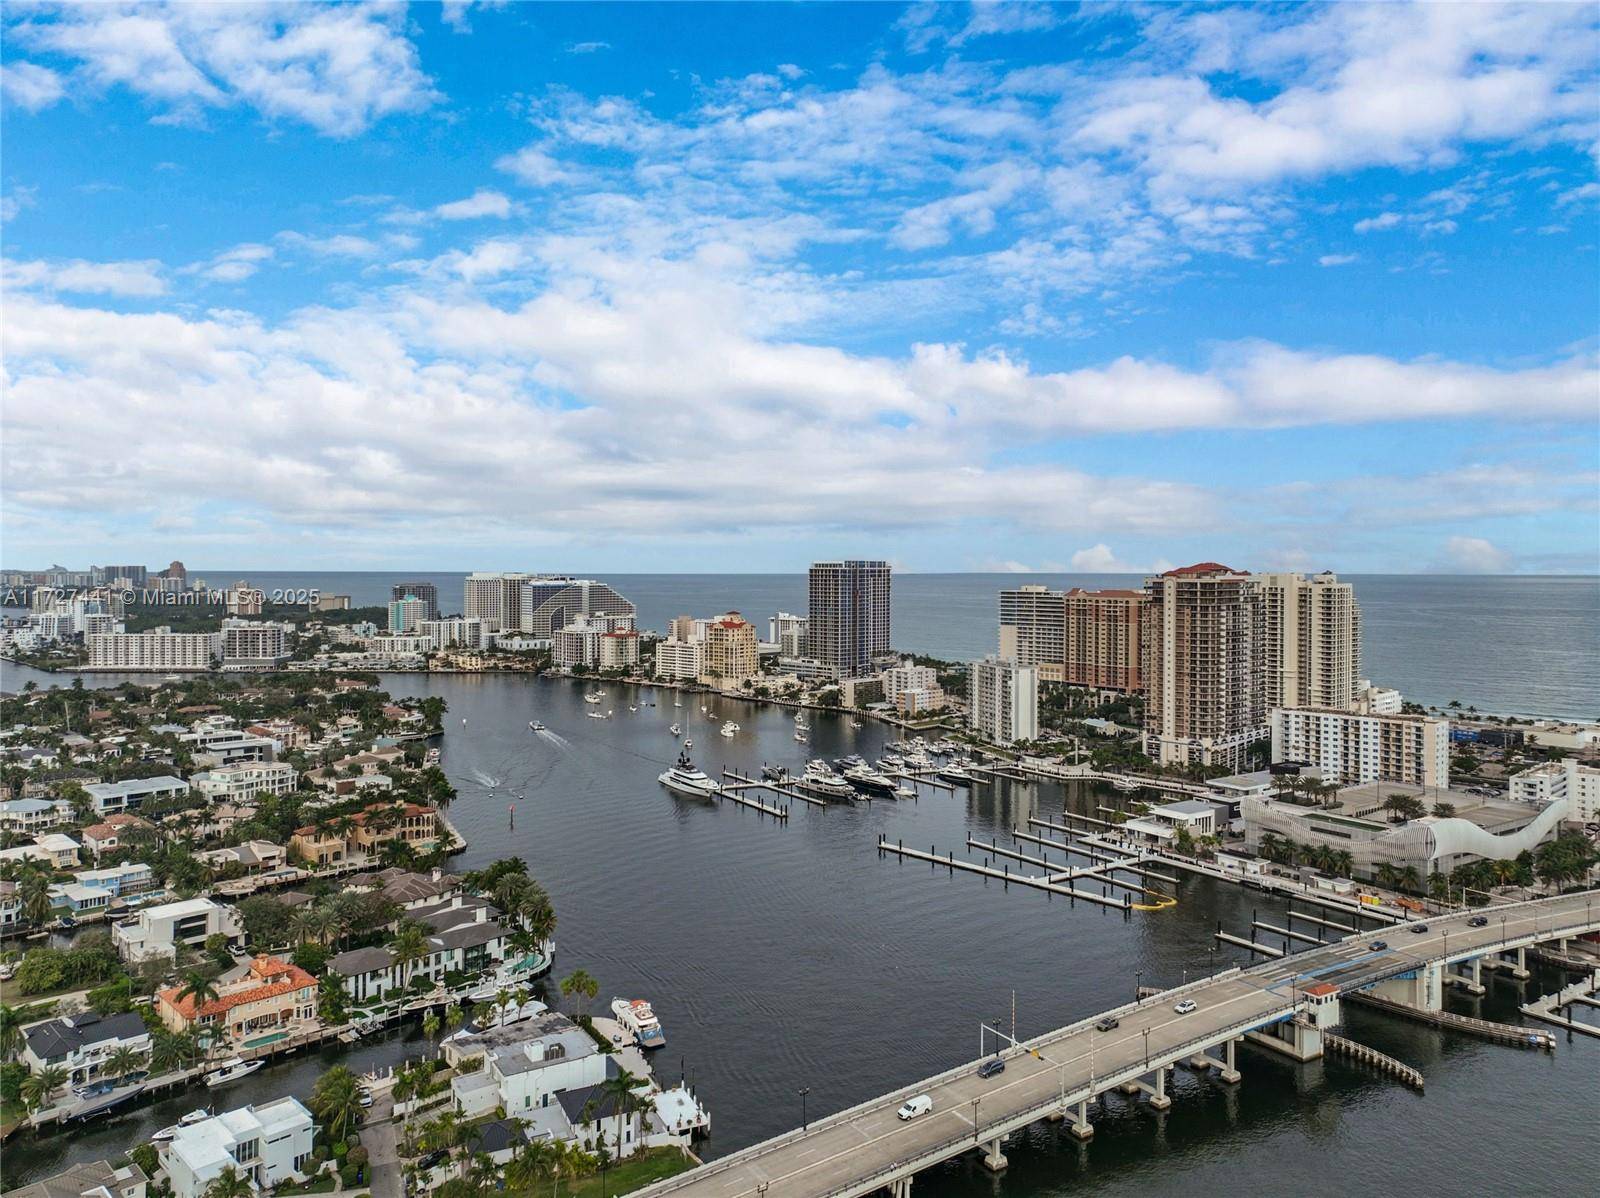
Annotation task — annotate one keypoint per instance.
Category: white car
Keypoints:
(921, 1104)
(1185, 1007)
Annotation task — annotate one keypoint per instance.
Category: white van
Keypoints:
(919, 1105)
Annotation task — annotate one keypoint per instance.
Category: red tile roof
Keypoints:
(277, 977)
(1199, 568)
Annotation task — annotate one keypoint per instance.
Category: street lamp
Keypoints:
(975, 1120)
(1138, 985)
(1147, 1046)
(803, 1091)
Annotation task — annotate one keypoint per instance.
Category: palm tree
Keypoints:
(408, 947)
(171, 1051)
(336, 1100)
(229, 1183)
(580, 984)
(503, 998)
(122, 1061)
(620, 1090)
(34, 887)
(306, 924)
(38, 1087)
(10, 1033)
(430, 1027)
(199, 987)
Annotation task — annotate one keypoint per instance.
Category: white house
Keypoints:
(244, 780)
(525, 1065)
(264, 1144)
(56, 848)
(160, 929)
(81, 1043)
(464, 937)
(109, 797)
(29, 815)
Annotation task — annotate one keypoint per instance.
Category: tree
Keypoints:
(408, 947)
(172, 1051)
(620, 1090)
(38, 1087)
(199, 987)
(581, 985)
(11, 1038)
(229, 1183)
(1403, 807)
(122, 1061)
(430, 1027)
(336, 1101)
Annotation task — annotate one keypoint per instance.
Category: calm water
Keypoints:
(1527, 645)
(788, 956)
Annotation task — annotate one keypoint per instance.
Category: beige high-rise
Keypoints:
(1313, 641)
(1203, 665)
(730, 653)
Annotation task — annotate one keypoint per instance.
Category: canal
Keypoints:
(784, 957)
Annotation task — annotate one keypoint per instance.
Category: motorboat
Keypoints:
(730, 728)
(688, 744)
(864, 777)
(431, 757)
(800, 735)
(232, 1070)
(1125, 784)
(677, 701)
(904, 792)
(637, 1016)
(632, 707)
(594, 697)
(599, 715)
(675, 730)
(775, 773)
(189, 1120)
(955, 774)
(684, 779)
(512, 1012)
(826, 784)
(535, 726)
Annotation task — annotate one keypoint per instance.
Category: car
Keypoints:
(1418, 928)
(366, 1098)
(919, 1104)
(991, 1067)
(1109, 1023)
(433, 1158)
(1187, 1006)
(1478, 921)
(1378, 946)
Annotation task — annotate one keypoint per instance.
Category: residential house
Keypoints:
(245, 780)
(160, 930)
(253, 1002)
(266, 1145)
(108, 834)
(30, 815)
(55, 849)
(81, 1043)
(524, 1065)
(464, 936)
(93, 890)
(90, 1179)
(133, 793)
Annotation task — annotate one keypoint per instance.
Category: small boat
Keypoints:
(189, 1120)
(904, 792)
(599, 715)
(729, 729)
(800, 736)
(535, 726)
(431, 757)
(463, 721)
(231, 1071)
(677, 701)
(1124, 783)
(702, 709)
(594, 696)
(688, 744)
(636, 1016)
(775, 773)
(857, 724)
(684, 779)
(675, 730)
(955, 775)
(631, 707)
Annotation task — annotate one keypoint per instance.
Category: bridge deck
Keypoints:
(866, 1147)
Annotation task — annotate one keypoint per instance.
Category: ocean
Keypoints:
(1524, 645)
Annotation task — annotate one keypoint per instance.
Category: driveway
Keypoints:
(381, 1137)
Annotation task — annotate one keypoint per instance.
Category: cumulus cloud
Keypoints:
(233, 265)
(1336, 259)
(481, 203)
(1099, 559)
(1474, 555)
(335, 67)
(141, 279)
(29, 85)
(1374, 224)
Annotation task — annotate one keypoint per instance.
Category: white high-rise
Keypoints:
(1004, 700)
(1312, 649)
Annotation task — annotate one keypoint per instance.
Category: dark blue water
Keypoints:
(783, 956)
(1514, 644)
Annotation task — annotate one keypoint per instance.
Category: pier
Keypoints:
(1548, 1008)
(1286, 1006)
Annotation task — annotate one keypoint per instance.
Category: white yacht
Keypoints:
(684, 779)
(955, 774)
(826, 784)
(729, 728)
(599, 715)
(675, 730)
(535, 726)
(800, 735)
(688, 744)
(189, 1120)
(232, 1070)
(636, 1016)
(594, 697)
(864, 777)
(1125, 784)
(677, 700)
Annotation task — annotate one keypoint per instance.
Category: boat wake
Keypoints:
(555, 738)
(485, 780)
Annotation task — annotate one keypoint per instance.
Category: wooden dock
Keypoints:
(734, 785)
(1548, 1008)
(1004, 875)
(1241, 942)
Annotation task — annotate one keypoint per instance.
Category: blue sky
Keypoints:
(640, 287)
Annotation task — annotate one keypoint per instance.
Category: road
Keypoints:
(861, 1149)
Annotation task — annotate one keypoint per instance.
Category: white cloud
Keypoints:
(338, 245)
(1099, 559)
(588, 47)
(338, 68)
(141, 279)
(535, 167)
(29, 85)
(1336, 259)
(15, 201)
(454, 12)
(1474, 555)
(481, 203)
(1373, 224)
(232, 265)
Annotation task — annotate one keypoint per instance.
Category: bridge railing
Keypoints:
(894, 1097)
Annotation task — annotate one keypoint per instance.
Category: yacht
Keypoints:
(594, 696)
(189, 1120)
(904, 792)
(599, 715)
(800, 735)
(854, 760)
(513, 1012)
(857, 724)
(232, 1070)
(535, 726)
(675, 730)
(684, 779)
(677, 701)
(637, 1017)
(954, 774)
(826, 784)
(775, 773)
(864, 777)
(1124, 784)
(729, 728)
(431, 757)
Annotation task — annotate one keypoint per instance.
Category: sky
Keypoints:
(694, 288)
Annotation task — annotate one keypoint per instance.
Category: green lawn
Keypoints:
(631, 1174)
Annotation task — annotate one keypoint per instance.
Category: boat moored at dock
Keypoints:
(232, 1070)
(686, 780)
(637, 1017)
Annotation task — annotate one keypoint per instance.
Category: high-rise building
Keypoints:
(848, 623)
(536, 604)
(1351, 748)
(788, 632)
(158, 649)
(425, 591)
(730, 654)
(580, 643)
(1203, 641)
(1313, 641)
(1033, 630)
(1104, 639)
(245, 600)
(495, 597)
(254, 642)
(678, 659)
(1003, 700)
(407, 614)
(135, 576)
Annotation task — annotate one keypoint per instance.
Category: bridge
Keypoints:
(1283, 1004)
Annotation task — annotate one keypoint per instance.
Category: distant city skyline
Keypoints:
(708, 289)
